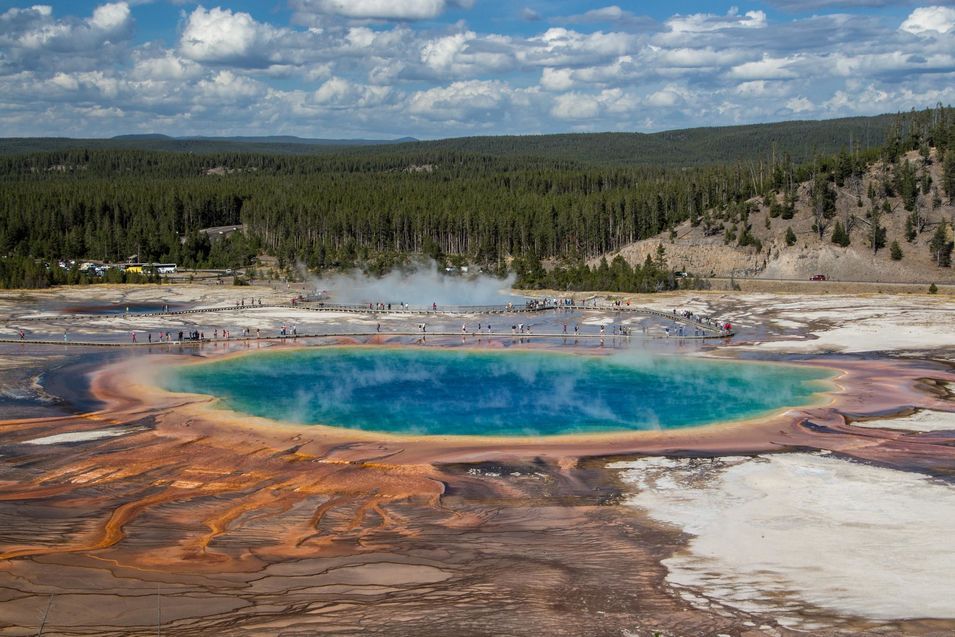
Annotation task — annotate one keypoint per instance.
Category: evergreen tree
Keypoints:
(823, 202)
(876, 231)
(941, 247)
(948, 174)
(790, 237)
(895, 251)
(839, 235)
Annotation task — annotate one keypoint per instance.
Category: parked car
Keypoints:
(818, 277)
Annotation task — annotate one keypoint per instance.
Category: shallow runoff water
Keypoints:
(436, 391)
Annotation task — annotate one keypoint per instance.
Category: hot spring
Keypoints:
(425, 391)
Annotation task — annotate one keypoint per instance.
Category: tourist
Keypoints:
(21, 335)
(378, 327)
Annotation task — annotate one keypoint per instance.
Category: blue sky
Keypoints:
(440, 68)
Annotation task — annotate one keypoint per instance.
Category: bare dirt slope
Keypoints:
(692, 250)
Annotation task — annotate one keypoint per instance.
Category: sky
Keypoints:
(448, 68)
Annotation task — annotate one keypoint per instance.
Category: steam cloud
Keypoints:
(422, 286)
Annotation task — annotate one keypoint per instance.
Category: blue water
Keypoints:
(509, 393)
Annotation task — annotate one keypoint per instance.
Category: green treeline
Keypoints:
(332, 213)
(373, 207)
(614, 276)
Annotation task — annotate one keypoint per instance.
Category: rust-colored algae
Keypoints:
(255, 528)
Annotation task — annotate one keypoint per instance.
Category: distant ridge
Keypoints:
(142, 137)
(800, 139)
(291, 139)
(262, 139)
(271, 144)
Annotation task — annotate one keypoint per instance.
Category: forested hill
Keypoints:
(689, 147)
(269, 145)
(801, 140)
(372, 207)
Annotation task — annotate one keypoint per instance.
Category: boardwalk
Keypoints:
(470, 336)
(701, 329)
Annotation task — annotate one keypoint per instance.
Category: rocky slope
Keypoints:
(710, 254)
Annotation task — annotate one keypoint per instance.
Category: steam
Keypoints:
(419, 287)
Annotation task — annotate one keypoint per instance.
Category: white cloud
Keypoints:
(221, 36)
(800, 105)
(586, 106)
(440, 54)
(705, 22)
(684, 57)
(110, 18)
(376, 9)
(611, 13)
(226, 86)
(665, 97)
(762, 89)
(343, 70)
(556, 79)
(565, 47)
(575, 106)
(340, 93)
(35, 28)
(623, 69)
(768, 68)
(165, 66)
(927, 20)
(460, 101)
(465, 54)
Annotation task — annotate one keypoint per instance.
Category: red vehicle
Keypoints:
(818, 277)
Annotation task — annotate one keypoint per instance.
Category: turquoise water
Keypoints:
(506, 393)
